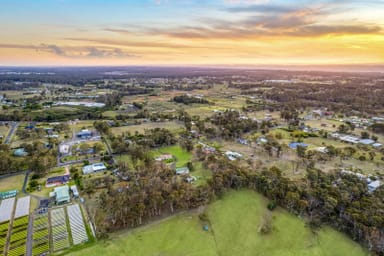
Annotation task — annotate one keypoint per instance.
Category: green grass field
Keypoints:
(13, 182)
(182, 156)
(172, 125)
(233, 231)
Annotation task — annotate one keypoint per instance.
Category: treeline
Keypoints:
(232, 125)
(187, 100)
(151, 191)
(52, 115)
(151, 138)
(334, 199)
(39, 160)
(350, 97)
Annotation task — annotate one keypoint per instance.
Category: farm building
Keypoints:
(294, 145)
(373, 185)
(322, 149)
(57, 181)
(366, 141)
(98, 167)
(8, 194)
(62, 194)
(84, 134)
(20, 152)
(182, 170)
(164, 157)
(75, 192)
(233, 155)
(350, 139)
(262, 140)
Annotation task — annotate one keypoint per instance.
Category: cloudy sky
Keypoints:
(191, 32)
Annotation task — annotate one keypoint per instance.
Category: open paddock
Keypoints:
(232, 231)
(12, 182)
(171, 125)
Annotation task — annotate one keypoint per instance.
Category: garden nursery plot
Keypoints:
(18, 237)
(40, 235)
(3, 236)
(59, 229)
(78, 231)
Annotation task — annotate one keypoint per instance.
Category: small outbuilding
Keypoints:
(75, 192)
(373, 186)
(366, 141)
(20, 152)
(294, 145)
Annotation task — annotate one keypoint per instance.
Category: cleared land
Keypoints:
(233, 231)
(11, 183)
(182, 156)
(172, 125)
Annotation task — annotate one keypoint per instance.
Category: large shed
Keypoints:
(97, 167)
(62, 195)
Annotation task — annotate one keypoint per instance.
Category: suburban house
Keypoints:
(57, 181)
(97, 167)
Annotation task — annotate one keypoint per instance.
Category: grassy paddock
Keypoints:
(182, 156)
(233, 230)
(13, 182)
(172, 125)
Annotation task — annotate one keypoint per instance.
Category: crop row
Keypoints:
(18, 237)
(40, 235)
(40, 249)
(18, 251)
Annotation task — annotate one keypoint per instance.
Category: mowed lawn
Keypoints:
(182, 156)
(11, 183)
(233, 231)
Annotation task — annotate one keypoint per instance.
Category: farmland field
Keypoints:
(3, 235)
(232, 231)
(18, 239)
(40, 235)
(174, 125)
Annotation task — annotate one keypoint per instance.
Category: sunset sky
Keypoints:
(190, 32)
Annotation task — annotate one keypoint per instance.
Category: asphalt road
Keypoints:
(14, 126)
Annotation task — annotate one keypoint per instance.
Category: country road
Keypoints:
(14, 126)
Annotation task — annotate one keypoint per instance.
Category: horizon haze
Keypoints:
(239, 33)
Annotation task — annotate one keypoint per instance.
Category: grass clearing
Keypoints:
(182, 156)
(172, 125)
(11, 183)
(233, 231)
